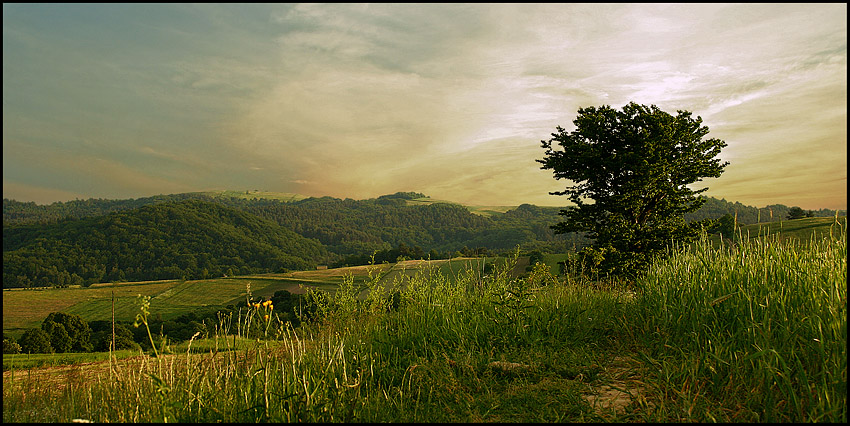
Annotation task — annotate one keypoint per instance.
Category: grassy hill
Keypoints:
(803, 230)
(27, 308)
(24, 308)
(756, 335)
(800, 229)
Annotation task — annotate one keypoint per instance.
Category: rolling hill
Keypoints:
(208, 234)
(185, 239)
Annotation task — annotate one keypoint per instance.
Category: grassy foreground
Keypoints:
(751, 333)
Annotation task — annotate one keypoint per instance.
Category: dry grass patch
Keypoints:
(617, 387)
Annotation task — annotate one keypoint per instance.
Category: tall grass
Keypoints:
(750, 332)
(424, 356)
(755, 332)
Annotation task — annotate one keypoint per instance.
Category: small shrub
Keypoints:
(10, 346)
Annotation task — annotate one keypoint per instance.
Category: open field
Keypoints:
(803, 230)
(24, 309)
(751, 333)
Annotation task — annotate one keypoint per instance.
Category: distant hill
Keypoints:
(193, 234)
(748, 215)
(802, 230)
(185, 239)
(18, 212)
(250, 195)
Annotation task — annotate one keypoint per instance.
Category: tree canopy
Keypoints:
(635, 165)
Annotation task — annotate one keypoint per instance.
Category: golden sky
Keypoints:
(452, 100)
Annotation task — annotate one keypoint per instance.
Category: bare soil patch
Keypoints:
(620, 386)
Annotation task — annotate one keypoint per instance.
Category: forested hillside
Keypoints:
(21, 213)
(196, 235)
(18, 212)
(352, 227)
(188, 239)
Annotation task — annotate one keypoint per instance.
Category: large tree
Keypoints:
(68, 332)
(635, 165)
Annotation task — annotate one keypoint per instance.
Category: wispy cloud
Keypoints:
(360, 100)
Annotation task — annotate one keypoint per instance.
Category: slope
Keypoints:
(187, 239)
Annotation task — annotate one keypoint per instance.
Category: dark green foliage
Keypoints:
(725, 226)
(164, 241)
(186, 239)
(284, 301)
(68, 332)
(18, 212)
(798, 213)
(748, 215)
(10, 346)
(635, 166)
(535, 256)
(102, 337)
(59, 338)
(35, 341)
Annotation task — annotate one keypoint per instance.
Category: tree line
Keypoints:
(195, 236)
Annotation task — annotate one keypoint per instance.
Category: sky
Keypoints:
(450, 100)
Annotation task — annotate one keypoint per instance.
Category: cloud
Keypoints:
(360, 100)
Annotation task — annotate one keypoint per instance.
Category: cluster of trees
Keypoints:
(798, 213)
(61, 332)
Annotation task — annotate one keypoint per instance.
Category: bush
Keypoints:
(35, 341)
(10, 346)
(75, 327)
(123, 338)
(59, 338)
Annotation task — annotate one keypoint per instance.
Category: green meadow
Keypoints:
(23, 309)
(798, 229)
(754, 331)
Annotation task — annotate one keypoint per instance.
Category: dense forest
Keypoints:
(186, 239)
(196, 235)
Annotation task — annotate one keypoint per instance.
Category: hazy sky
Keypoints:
(452, 100)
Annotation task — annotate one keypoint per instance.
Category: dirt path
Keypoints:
(619, 386)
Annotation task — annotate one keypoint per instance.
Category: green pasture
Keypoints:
(24, 361)
(23, 309)
(803, 230)
(752, 333)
